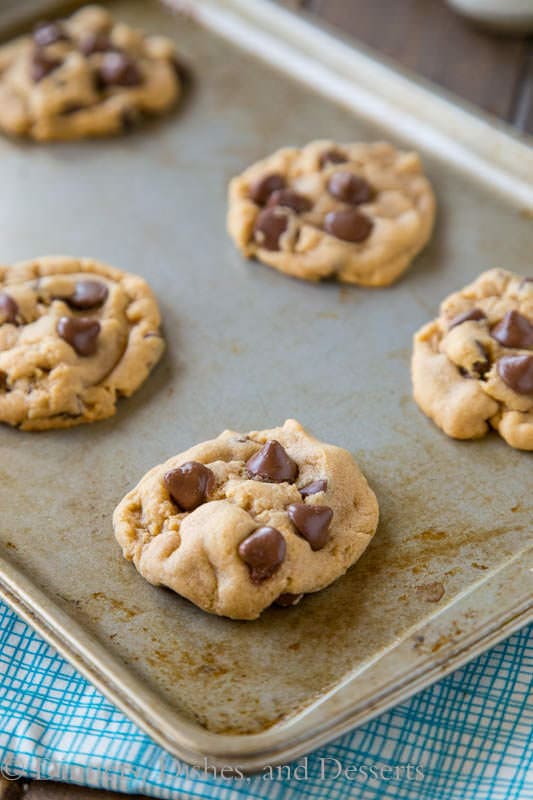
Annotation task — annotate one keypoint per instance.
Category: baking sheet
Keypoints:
(239, 340)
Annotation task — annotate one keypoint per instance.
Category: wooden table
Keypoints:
(489, 71)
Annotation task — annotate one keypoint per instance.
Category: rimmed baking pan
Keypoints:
(247, 348)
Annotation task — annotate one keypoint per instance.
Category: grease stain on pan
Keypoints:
(115, 605)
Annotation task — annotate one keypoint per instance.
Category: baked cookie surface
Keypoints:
(242, 521)
(355, 212)
(472, 367)
(75, 334)
(84, 76)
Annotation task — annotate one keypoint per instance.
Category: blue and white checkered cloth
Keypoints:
(468, 737)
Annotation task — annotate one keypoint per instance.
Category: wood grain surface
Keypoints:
(489, 70)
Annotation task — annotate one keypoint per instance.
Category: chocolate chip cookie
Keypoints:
(473, 366)
(84, 76)
(75, 335)
(355, 212)
(243, 521)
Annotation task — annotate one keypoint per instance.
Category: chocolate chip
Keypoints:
(517, 373)
(8, 308)
(87, 294)
(314, 487)
(311, 522)
(286, 600)
(332, 157)
(117, 69)
(261, 189)
(3, 382)
(81, 333)
(350, 188)
(289, 199)
(272, 463)
(269, 227)
(514, 330)
(474, 314)
(95, 42)
(42, 65)
(190, 485)
(350, 225)
(263, 552)
(46, 33)
(481, 367)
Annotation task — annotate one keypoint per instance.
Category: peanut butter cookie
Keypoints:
(84, 76)
(75, 334)
(472, 367)
(355, 212)
(242, 521)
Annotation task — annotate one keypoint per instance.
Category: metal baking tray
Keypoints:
(247, 348)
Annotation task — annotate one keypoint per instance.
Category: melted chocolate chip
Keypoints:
(481, 367)
(517, 373)
(263, 552)
(269, 227)
(289, 199)
(311, 522)
(286, 600)
(8, 309)
(314, 487)
(95, 42)
(350, 188)
(190, 485)
(474, 314)
(118, 69)
(46, 33)
(3, 382)
(332, 157)
(87, 294)
(81, 333)
(42, 65)
(272, 463)
(350, 225)
(261, 189)
(514, 330)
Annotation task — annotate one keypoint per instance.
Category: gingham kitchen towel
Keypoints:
(468, 737)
